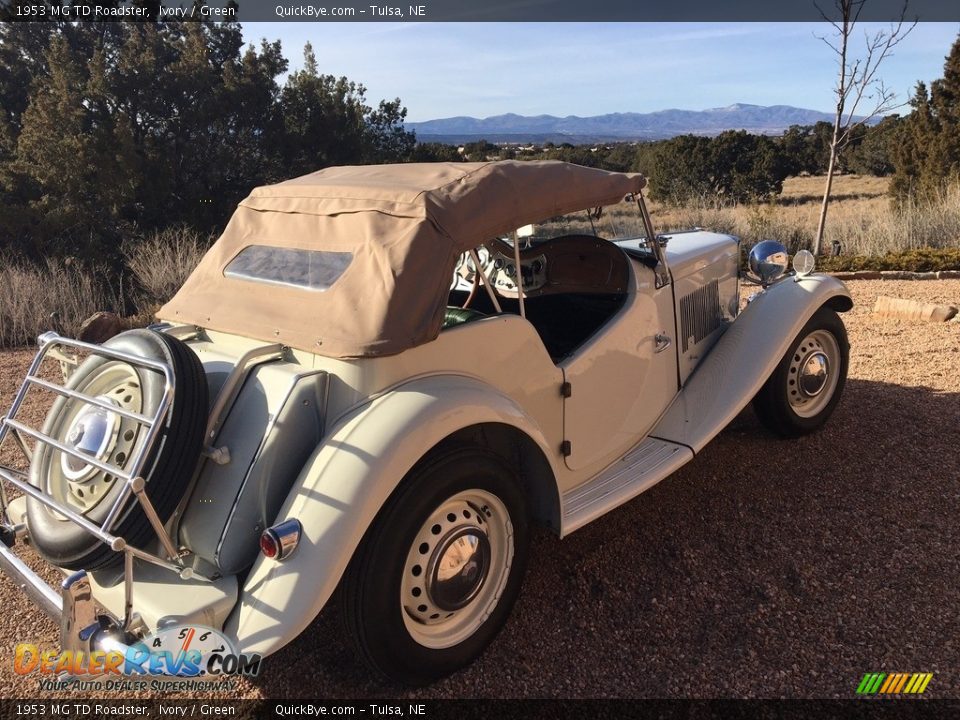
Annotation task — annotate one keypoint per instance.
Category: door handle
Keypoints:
(662, 341)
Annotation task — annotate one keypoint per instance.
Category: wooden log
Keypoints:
(913, 310)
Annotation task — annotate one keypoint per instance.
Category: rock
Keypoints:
(897, 275)
(100, 327)
(913, 310)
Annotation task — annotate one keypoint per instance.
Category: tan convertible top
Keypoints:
(397, 229)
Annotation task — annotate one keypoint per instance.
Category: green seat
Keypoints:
(458, 316)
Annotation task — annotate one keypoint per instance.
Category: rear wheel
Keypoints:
(806, 386)
(111, 439)
(437, 574)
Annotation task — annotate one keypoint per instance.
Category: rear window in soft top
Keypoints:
(315, 270)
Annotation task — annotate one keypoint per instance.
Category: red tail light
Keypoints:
(279, 542)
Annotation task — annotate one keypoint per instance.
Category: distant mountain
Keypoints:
(770, 120)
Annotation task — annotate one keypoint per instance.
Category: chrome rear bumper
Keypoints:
(36, 588)
(73, 608)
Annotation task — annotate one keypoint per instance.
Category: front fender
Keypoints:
(745, 356)
(342, 487)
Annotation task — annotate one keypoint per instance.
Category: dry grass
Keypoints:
(809, 188)
(161, 262)
(860, 218)
(61, 294)
(58, 295)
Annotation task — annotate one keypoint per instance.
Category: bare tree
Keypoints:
(859, 88)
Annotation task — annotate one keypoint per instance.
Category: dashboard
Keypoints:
(566, 264)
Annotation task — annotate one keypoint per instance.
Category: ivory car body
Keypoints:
(376, 379)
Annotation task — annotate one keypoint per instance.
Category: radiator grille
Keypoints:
(700, 313)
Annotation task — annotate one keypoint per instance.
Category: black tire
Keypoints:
(773, 405)
(372, 609)
(167, 470)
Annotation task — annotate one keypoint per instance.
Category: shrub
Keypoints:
(916, 260)
(58, 295)
(162, 261)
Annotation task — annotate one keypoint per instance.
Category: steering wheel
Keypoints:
(464, 272)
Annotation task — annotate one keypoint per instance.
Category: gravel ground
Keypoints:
(764, 568)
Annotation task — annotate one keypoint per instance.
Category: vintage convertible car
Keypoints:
(374, 380)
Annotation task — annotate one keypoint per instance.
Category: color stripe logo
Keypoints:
(894, 683)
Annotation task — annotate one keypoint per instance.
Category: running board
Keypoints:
(643, 467)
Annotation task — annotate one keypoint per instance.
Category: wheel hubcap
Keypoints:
(92, 433)
(456, 569)
(814, 373)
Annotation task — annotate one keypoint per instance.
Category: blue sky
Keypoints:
(479, 69)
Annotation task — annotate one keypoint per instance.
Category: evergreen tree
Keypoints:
(872, 154)
(108, 130)
(926, 151)
(57, 150)
(945, 105)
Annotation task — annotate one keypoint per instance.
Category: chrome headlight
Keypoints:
(768, 261)
(803, 263)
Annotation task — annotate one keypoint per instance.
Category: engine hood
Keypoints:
(689, 252)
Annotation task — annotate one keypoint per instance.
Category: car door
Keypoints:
(621, 381)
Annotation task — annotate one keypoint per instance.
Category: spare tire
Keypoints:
(115, 440)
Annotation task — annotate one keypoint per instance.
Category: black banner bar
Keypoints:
(482, 709)
(469, 10)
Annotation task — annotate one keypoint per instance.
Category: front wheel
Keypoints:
(437, 574)
(806, 386)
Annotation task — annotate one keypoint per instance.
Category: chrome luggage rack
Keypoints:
(52, 345)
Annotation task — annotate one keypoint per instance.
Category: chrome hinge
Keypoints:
(566, 448)
(566, 390)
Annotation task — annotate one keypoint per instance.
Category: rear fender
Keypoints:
(342, 487)
(745, 356)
